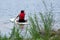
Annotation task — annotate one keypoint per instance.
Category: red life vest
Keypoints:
(21, 16)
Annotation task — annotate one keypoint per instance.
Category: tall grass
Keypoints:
(47, 21)
(14, 35)
(35, 29)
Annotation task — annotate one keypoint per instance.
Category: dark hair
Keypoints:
(22, 11)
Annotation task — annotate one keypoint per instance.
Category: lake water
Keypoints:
(11, 8)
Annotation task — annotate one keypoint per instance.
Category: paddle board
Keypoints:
(13, 20)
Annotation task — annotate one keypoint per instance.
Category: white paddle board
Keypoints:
(13, 20)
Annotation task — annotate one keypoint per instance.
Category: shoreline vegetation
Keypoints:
(36, 31)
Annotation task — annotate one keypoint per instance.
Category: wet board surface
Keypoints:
(13, 20)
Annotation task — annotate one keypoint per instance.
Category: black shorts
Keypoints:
(21, 20)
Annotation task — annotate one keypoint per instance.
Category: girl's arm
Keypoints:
(16, 17)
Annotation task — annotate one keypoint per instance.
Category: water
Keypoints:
(11, 8)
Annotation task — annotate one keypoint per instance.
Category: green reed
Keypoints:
(35, 29)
